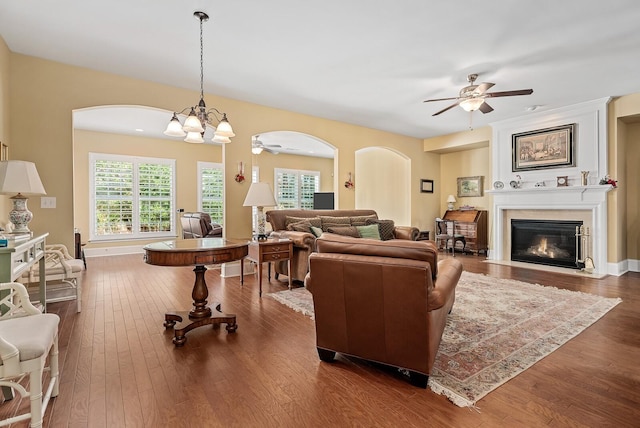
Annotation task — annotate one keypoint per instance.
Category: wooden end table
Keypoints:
(271, 250)
(198, 252)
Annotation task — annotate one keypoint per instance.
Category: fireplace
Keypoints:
(547, 242)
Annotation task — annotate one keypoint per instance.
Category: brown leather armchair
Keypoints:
(383, 301)
(199, 225)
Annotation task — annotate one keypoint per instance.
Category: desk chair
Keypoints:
(446, 231)
(27, 337)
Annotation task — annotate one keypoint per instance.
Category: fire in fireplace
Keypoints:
(547, 242)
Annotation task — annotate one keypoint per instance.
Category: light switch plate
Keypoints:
(48, 202)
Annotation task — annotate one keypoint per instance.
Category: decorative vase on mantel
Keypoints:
(584, 178)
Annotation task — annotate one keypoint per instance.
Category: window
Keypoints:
(131, 197)
(211, 190)
(295, 188)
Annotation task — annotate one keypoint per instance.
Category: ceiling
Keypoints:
(366, 62)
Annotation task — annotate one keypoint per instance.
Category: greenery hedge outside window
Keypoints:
(211, 190)
(132, 197)
(295, 188)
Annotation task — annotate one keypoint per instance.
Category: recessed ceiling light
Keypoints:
(533, 108)
(139, 130)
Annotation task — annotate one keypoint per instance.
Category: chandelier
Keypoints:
(199, 117)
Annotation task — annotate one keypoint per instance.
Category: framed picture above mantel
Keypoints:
(543, 148)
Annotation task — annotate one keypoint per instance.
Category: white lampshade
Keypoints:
(220, 139)
(194, 137)
(174, 128)
(224, 128)
(256, 150)
(192, 123)
(260, 195)
(472, 104)
(451, 199)
(18, 176)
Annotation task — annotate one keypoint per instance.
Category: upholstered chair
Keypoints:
(27, 337)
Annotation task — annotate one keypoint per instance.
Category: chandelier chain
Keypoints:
(201, 62)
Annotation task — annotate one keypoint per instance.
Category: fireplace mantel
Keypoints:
(592, 198)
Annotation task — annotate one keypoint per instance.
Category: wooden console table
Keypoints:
(198, 252)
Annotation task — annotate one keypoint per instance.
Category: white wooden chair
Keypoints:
(27, 337)
(60, 268)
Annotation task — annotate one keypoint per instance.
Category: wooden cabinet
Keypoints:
(472, 224)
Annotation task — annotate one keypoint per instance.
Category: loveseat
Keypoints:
(383, 301)
(287, 224)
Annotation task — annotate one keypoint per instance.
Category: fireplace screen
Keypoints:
(547, 242)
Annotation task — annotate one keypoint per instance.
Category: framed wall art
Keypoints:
(544, 148)
(426, 186)
(470, 186)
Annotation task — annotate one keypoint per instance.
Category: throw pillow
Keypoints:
(361, 220)
(386, 228)
(370, 231)
(301, 226)
(317, 231)
(328, 222)
(314, 221)
(345, 230)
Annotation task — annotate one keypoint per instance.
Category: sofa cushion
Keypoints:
(317, 231)
(328, 222)
(344, 230)
(301, 226)
(314, 221)
(370, 231)
(361, 220)
(386, 228)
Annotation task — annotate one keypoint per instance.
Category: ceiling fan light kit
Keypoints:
(473, 97)
(199, 117)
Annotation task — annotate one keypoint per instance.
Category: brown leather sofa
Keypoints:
(383, 301)
(199, 225)
(304, 242)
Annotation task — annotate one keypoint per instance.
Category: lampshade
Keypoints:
(471, 104)
(194, 137)
(18, 176)
(260, 195)
(451, 199)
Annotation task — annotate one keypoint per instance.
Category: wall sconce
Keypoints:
(240, 175)
(349, 183)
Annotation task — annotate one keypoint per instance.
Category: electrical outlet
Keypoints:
(48, 202)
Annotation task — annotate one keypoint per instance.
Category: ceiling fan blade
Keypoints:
(273, 145)
(441, 99)
(447, 108)
(509, 93)
(485, 108)
(267, 149)
(484, 87)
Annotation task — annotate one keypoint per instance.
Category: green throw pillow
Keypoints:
(386, 228)
(316, 231)
(370, 231)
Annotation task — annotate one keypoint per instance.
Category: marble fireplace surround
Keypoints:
(580, 203)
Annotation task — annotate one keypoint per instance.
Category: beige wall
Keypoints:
(50, 91)
(5, 57)
(186, 156)
(632, 184)
(467, 163)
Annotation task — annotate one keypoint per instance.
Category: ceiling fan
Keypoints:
(258, 146)
(473, 97)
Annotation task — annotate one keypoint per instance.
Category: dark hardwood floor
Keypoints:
(120, 369)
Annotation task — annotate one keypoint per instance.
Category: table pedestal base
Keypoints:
(182, 323)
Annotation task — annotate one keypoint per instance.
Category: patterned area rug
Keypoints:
(498, 329)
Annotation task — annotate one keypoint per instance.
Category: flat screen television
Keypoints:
(323, 201)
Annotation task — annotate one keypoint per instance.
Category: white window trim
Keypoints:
(93, 157)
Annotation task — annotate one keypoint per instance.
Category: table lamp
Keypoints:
(20, 178)
(260, 196)
(451, 200)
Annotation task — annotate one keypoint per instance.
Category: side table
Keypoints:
(270, 250)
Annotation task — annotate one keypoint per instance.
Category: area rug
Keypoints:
(498, 328)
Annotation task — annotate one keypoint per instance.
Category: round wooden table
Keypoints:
(199, 252)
